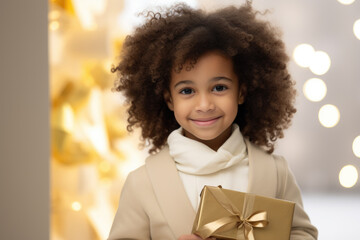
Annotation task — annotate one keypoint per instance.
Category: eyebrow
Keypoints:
(211, 80)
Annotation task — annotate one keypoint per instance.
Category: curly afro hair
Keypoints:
(170, 38)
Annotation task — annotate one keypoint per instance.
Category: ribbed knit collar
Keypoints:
(193, 157)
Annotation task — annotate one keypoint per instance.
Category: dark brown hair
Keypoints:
(179, 34)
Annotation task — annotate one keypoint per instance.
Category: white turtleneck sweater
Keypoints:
(199, 165)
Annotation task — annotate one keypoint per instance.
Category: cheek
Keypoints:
(181, 110)
(234, 110)
(231, 107)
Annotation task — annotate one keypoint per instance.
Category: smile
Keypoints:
(205, 122)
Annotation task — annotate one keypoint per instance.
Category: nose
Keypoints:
(205, 103)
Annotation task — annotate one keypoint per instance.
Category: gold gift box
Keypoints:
(228, 214)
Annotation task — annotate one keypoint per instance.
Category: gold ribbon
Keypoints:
(244, 221)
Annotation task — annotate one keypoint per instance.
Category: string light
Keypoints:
(321, 63)
(346, 2)
(356, 29)
(348, 176)
(329, 115)
(76, 206)
(54, 25)
(303, 55)
(356, 146)
(314, 89)
(318, 61)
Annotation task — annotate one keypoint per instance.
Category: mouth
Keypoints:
(205, 122)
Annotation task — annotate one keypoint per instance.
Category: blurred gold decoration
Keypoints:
(67, 5)
(96, 72)
(62, 118)
(74, 94)
(116, 125)
(118, 43)
(90, 146)
(106, 170)
(65, 147)
(72, 151)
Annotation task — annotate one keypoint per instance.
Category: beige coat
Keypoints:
(154, 205)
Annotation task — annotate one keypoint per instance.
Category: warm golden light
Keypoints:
(303, 55)
(54, 25)
(76, 206)
(356, 146)
(105, 166)
(54, 15)
(89, 141)
(64, 119)
(314, 89)
(348, 176)
(356, 29)
(321, 63)
(329, 115)
(346, 2)
(87, 10)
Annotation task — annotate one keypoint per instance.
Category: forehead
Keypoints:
(210, 64)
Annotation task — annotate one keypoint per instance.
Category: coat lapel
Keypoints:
(262, 171)
(170, 192)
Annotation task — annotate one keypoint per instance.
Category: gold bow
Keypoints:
(244, 225)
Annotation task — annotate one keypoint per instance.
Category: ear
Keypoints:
(168, 100)
(242, 95)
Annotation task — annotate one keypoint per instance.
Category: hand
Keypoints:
(193, 237)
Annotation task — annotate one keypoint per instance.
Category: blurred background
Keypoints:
(92, 153)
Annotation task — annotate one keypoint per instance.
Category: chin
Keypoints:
(206, 137)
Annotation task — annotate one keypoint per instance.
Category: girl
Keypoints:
(211, 93)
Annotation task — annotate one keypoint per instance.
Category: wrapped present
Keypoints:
(227, 214)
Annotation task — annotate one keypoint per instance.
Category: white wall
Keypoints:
(24, 121)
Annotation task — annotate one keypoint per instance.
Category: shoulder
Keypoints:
(258, 154)
(141, 172)
(286, 179)
(280, 162)
(163, 153)
(281, 166)
(261, 152)
(137, 178)
(159, 162)
(140, 176)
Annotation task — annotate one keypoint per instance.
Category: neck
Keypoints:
(215, 143)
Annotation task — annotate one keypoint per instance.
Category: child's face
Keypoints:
(205, 99)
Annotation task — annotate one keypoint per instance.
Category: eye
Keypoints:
(219, 88)
(187, 91)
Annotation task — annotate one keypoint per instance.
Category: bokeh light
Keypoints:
(321, 63)
(76, 206)
(303, 54)
(54, 25)
(348, 176)
(346, 2)
(314, 89)
(329, 115)
(356, 29)
(356, 146)
(54, 14)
